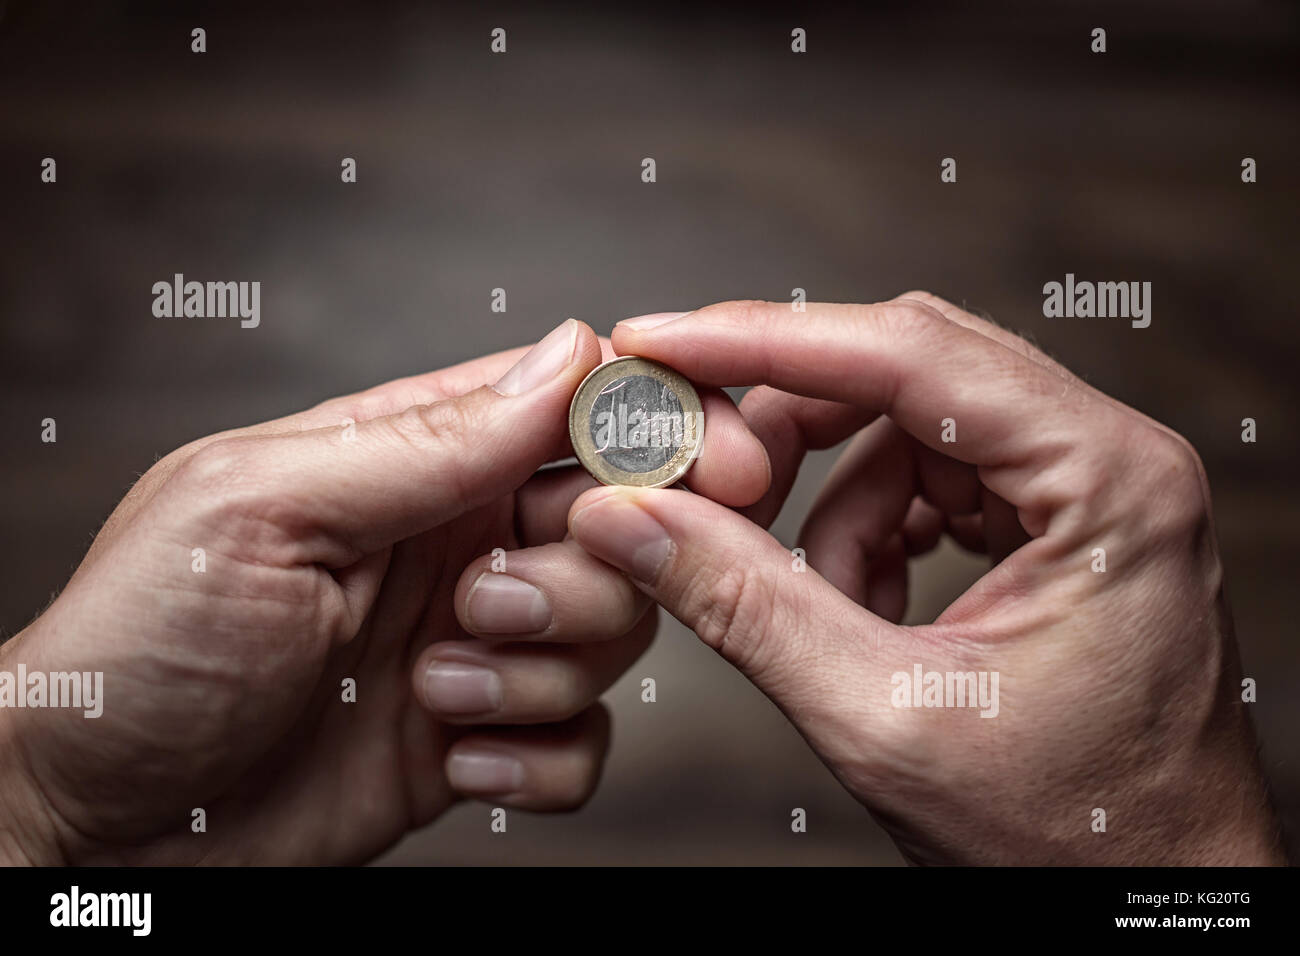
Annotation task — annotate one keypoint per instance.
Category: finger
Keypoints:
(330, 496)
(542, 504)
(789, 426)
(732, 467)
(968, 531)
(1018, 343)
(860, 508)
(547, 767)
(886, 582)
(989, 329)
(1027, 429)
(950, 485)
(556, 592)
(477, 682)
(922, 528)
(734, 585)
(1003, 532)
(387, 398)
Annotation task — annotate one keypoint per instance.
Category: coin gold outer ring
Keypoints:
(580, 423)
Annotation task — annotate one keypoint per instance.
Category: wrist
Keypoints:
(1227, 817)
(25, 835)
(28, 829)
(1249, 829)
(1254, 840)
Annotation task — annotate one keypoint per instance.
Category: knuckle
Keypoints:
(219, 470)
(746, 305)
(163, 470)
(367, 406)
(1184, 454)
(455, 423)
(1175, 477)
(449, 422)
(1154, 484)
(731, 609)
(447, 426)
(1089, 485)
(220, 492)
(743, 311)
(454, 427)
(926, 298)
(907, 316)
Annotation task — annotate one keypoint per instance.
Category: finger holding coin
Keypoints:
(637, 422)
(733, 467)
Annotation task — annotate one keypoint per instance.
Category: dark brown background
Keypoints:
(523, 171)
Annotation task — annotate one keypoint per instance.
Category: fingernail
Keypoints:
(643, 322)
(543, 362)
(451, 688)
(625, 535)
(501, 604)
(485, 773)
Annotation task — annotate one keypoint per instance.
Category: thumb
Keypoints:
(795, 636)
(331, 495)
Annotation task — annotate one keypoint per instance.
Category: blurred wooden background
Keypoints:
(523, 171)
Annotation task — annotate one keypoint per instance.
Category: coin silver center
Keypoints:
(636, 423)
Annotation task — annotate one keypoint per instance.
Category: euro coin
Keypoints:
(636, 422)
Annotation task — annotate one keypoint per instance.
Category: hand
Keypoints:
(1119, 690)
(335, 551)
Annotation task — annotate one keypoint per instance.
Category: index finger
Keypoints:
(1035, 433)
